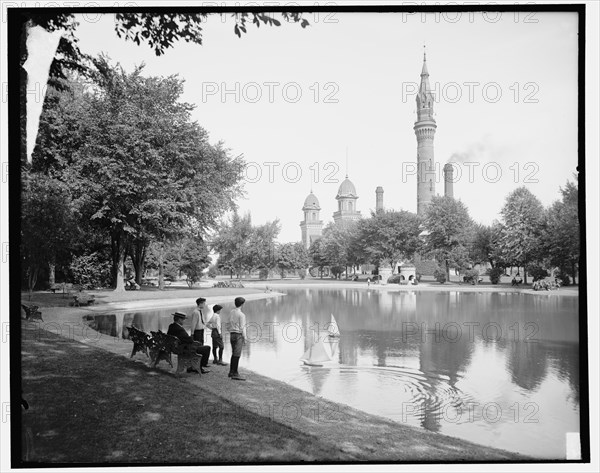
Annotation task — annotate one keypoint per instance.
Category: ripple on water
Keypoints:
(409, 396)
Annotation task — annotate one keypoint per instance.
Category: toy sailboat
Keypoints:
(323, 350)
(333, 329)
(317, 354)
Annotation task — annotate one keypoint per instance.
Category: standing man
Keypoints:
(217, 340)
(199, 321)
(176, 329)
(237, 335)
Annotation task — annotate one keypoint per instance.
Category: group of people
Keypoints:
(236, 326)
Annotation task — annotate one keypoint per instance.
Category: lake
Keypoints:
(499, 369)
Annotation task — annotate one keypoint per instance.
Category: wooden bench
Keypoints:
(83, 298)
(141, 341)
(32, 312)
(160, 346)
(64, 287)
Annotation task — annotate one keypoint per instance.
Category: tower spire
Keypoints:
(346, 162)
(424, 128)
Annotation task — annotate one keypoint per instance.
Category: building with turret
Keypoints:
(312, 225)
(424, 128)
(346, 197)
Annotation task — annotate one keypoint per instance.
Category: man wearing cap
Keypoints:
(199, 320)
(176, 329)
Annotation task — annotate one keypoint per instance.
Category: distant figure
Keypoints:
(368, 282)
(517, 280)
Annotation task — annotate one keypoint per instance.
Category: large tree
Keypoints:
(449, 232)
(485, 245)
(335, 246)
(231, 242)
(138, 167)
(523, 221)
(388, 236)
(291, 257)
(316, 256)
(561, 233)
(47, 225)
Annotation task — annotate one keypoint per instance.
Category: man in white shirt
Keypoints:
(217, 339)
(198, 324)
(237, 336)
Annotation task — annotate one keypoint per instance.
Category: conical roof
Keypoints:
(346, 189)
(311, 202)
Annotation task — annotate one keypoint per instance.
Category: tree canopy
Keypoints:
(449, 232)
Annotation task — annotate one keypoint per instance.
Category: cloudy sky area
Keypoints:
(506, 86)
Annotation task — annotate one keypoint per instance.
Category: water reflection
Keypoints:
(499, 369)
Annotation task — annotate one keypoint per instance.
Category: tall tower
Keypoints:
(379, 199)
(311, 226)
(425, 131)
(346, 198)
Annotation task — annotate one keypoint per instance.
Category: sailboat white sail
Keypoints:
(333, 329)
(317, 354)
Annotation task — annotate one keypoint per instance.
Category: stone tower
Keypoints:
(449, 180)
(346, 198)
(425, 131)
(312, 225)
(379, 199)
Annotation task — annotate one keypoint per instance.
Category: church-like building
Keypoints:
(312, 225)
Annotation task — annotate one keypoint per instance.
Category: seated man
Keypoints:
(517, 280)
(176, 329)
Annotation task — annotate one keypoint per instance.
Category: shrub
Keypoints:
(471, 276)
(537, 272)
(212, 271)
(263, 273)
(440, 275)
(301, 273)
(90, 271)
(229, 284)
(418, 277)
(495, 274)
(394, 279)
(563, 277)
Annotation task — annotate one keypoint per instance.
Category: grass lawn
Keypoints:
(88, 405)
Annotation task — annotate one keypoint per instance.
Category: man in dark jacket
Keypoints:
(176, 329)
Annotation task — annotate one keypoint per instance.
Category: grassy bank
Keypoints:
(88, 405)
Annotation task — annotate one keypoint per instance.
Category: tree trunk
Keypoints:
(139, 250)
(573, 271)
(447, 271)
(524, 275)
(161, 271)
(118, 248)
(32, 274)
(51, 274)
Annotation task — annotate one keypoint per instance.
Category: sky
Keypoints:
(307, 106)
